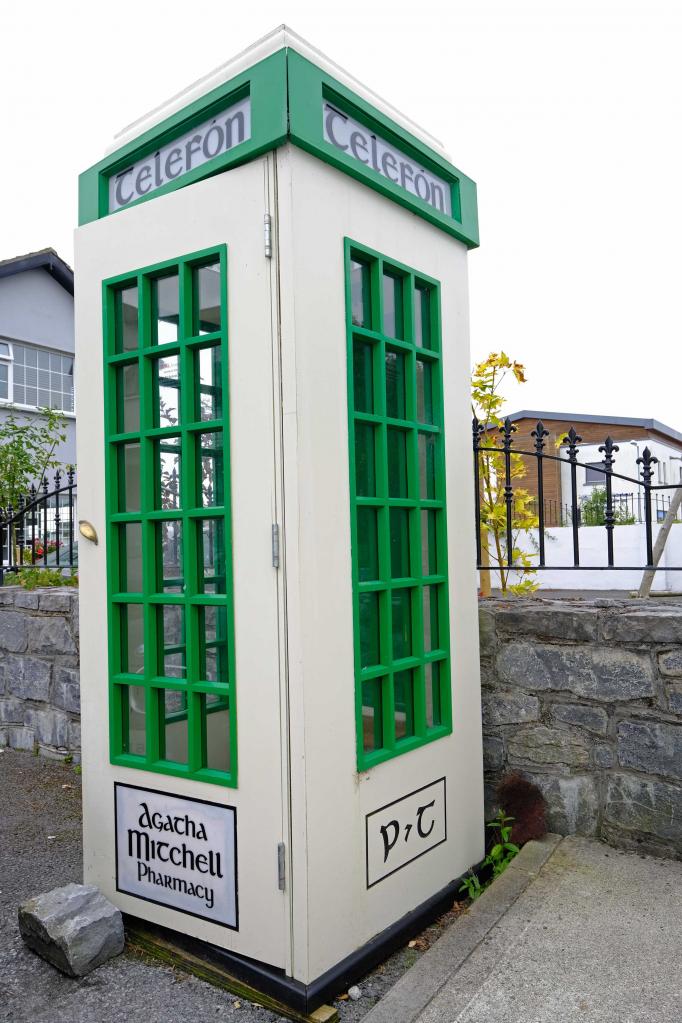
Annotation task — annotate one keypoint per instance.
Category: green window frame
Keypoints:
(398, 507)
(169, 553)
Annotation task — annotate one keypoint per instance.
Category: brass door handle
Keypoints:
(87, 530)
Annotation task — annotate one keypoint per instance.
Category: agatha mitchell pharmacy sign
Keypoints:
(219, 135)
(367, 147)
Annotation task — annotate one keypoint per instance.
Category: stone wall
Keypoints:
(39, 677)
(585, 699)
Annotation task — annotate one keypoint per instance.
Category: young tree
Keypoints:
(486, 403)
(27, 451)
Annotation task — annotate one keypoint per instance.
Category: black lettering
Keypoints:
(374, 153)
(144, 175)
(389, 163)
(201, 863)
(123, 201)
(384, 834)
(174, 157)
(158, 180)
(404, 175)
(220, 138)
(420, 813)
(191, 147)
(159, 847)
(437, 198)
(141, 849)
(420, 178)
(237, 119)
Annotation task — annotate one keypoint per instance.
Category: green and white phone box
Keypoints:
(281, 709)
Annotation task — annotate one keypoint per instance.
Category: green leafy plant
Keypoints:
(27, 451)
(501, 853)
(32, 578)
(486, 404)
(593, 510)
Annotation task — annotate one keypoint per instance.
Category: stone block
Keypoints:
(4, 737)
(597, 673)
(66, 689)
(670, 663)
(75, 928)
(661, 626)
(603, 757)
(55, 600)
(572, 803)
(549, 621)
(26, 601)
(21, 737)
(51, 727)
(493, 753)
(486, 631)
(13, 632)
(651, 746)
(7, 593)
(538, 744)
(508, 708)
(29, 678)
(592, 719)
(74, 736)
(51, 636)
(12, 711)
(645, 806)
(675, 699)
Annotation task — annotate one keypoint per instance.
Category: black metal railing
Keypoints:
(41, 530)
(646, 503)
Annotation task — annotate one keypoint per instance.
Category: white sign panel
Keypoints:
(214, 137)
(177, 852)
(363, 145)
(404, 830)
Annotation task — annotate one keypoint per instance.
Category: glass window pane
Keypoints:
(395, 384)
(363, 377)
(206, 295)
(403, 695)
(217, 724)
(372, 723)
(393, 306)
(168, 473)
(427, 465)
(167, 391)
(132, 639)
(169, 556)
(4, 348)
(175, 726)
(369, 629)
(31, 358)
(166, 306)
(209, 404)
(213, 644)
(134, 715)
(128, 399)
(432, 675)
(360, 294)
(211, 468)
(422, 317)
(424, 392)
(401, 603)
(43, 359)
(397, 462)
(430, 617)
(365, 476)
(400, 542)
(129, 477)
(428, 541)
(368, 550)
(211, 551)
(130, 553)
(125, 311)
(172, 661)
(4, 378)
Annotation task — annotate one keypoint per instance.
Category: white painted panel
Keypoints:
(228, 209)
(334, 912)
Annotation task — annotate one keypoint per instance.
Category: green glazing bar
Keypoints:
(398, 532)
(157, 642)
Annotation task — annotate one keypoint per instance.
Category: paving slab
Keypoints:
(595, 936)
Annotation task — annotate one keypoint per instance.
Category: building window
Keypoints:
(35, 377)
(172, 669)
(398, 531)
(594, 473)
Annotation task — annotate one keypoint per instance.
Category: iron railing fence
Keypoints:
(41, 530)
(646, 503)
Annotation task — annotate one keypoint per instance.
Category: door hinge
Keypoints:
(281, 869)
(267, 235)
(275, 545)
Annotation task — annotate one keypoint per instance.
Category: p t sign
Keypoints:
(404, 830)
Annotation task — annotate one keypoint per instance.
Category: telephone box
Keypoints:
(279, 642)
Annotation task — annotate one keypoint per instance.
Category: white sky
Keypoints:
(566, 114)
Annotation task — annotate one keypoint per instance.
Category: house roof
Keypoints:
(576, 417)
(45, 259)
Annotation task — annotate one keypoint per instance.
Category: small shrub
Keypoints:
(32, 578)
(526, 804)
(502, 852)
